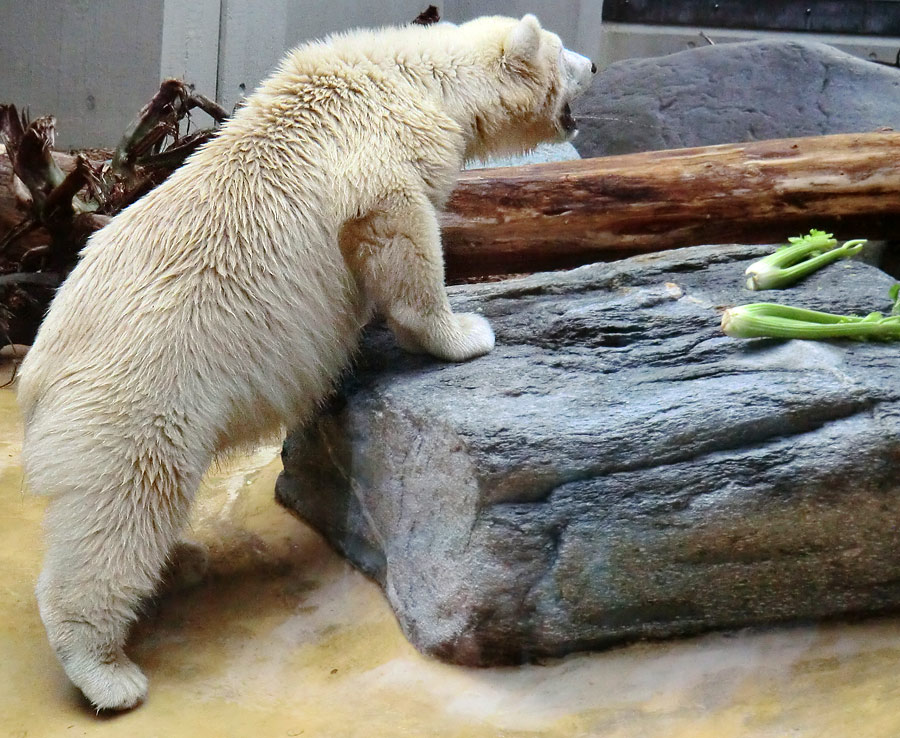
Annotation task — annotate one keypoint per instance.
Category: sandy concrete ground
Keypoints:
(283, 638)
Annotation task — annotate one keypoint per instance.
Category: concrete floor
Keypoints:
(283, 638)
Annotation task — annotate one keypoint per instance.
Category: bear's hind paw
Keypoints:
(117, 685)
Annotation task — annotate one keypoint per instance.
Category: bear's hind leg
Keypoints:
(107, 543)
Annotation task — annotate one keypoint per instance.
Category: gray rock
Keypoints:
(617, 468)
(732, 93)
(542, 153)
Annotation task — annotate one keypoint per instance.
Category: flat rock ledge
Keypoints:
(617, 468)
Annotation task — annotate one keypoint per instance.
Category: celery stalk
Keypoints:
(769, 320)
(803, 256)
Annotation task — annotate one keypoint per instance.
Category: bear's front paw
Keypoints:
(470, 336)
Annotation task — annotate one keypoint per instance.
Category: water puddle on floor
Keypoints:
(283, 638)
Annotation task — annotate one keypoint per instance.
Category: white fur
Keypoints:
(524, 41)
(222, 306)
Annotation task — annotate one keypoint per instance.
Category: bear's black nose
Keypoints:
(593, 68)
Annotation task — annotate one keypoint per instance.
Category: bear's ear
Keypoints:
(524, 40)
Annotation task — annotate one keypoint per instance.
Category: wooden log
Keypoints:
(562, 214)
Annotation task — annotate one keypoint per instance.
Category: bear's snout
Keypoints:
(578, 72)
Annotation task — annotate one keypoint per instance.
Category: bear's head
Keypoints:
(529, 81)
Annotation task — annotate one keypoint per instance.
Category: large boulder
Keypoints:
(730, 93)
(617, 468)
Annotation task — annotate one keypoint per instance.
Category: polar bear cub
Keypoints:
(223, 305)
